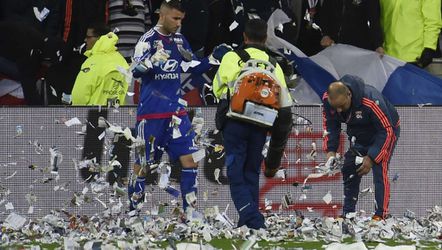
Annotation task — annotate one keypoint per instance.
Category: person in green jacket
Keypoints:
(242, 140)
(99, 82)
(411, 29)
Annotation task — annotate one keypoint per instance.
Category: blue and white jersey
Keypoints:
(160, 88)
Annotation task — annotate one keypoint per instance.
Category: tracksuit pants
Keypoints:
(381, 181)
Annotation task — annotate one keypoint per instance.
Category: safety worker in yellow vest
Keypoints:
(244, 134)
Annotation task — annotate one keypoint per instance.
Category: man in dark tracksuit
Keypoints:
(373, 129)
(354, 22)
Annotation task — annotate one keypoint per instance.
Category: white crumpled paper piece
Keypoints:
(197, 124)
(199, 155)
(41, 15)
(70, 244)
(193, 246)
(353, 246)
(238, 9)
(11, 176)
(281, 174)
(385, 247)
(327, 198)
(15, 221)
(9, 206)
(102, 135)
(186, 65)
(233, 25)
(73, 121)
(164, 170)
(216, 173)
(365, 192)
(191, 198)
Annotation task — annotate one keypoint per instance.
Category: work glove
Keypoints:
(220, 50)
(426, 58)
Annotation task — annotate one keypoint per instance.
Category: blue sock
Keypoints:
(188, 181)
(137, 187)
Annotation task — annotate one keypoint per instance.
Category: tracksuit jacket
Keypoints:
(371, 120)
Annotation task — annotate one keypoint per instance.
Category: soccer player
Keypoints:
(373, 129)
(160, 55)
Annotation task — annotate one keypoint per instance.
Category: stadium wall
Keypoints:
(25, 179)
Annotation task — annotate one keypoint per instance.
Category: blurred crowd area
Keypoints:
(42, 42)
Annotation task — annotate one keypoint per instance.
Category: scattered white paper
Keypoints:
(280, 27)
(404, 247)
(101, 136)
(238, 9)
(9, 206)
(164, 171)
(327, 198)
(12, 175)
(353, 246)
(199, 155)
(359, 160)
(233, 26)
(190, 198)
(206, 235)
(53, 91)
(312, 176)
(176, 133)
(15, 221)
(101, 202)
(41, 15)
(253, 16)
(186, 65)
(302, 197)
(70, 244)
(73, 121)
(65, 98)
(281, 173)
(217, 173)
(175, 121)
(182, 102)
(365, 191)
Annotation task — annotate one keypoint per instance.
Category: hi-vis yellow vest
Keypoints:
(229, 70)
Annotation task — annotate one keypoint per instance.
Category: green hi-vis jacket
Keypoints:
(410, 26)
(99, 80)
(229, 70)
